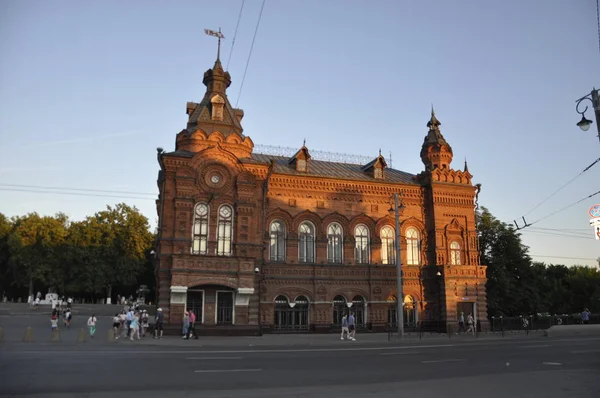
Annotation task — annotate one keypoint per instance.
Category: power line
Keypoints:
(565, 208)
(250, 54)
(235, 35)
(562, 229)
(569, 258)
(562, 187)
(74, 189)
(73, 193)
(558, 234)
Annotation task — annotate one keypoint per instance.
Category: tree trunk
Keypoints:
(109, 295)
(31, 287)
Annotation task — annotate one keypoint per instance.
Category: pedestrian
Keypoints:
(68, 318)
(585, 316)
(158, 324)
(144, 322)
(345, 327)
(54, 323)
(92, 325)
(186, 324)
(116, 326)
(192, 328)
(129, 319)
(135, 327)
(471, 324)
(352, 326)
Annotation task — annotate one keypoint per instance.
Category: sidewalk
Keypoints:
(316, 340)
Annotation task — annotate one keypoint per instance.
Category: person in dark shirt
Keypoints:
(159, 321)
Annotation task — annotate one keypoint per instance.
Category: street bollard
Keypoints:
(56, 335)
(111, 336)
(28, 337)
(81, 336)
(1, 334)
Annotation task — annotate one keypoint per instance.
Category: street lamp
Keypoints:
(399, 298)
(584, 124)
(257, 272)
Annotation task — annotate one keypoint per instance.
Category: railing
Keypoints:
(537, 322)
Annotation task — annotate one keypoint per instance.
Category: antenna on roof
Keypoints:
(391, 160)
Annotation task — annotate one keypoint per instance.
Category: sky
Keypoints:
(90, 89)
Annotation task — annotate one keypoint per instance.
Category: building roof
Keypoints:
(320, 168)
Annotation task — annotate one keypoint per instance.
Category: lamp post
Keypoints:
(584, 124)
(399, 299)
(257, 272)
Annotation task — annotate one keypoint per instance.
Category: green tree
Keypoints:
(5, 272)
(511, 286)
(35, 243)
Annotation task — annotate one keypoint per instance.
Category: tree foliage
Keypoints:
(518, 286)
(89, 258)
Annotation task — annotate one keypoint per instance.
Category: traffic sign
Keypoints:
(595, 211)
(597, 233)
(595, 222)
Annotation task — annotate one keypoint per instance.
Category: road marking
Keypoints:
(444, 360)
(535, 346)
(227, 370)
(401, 353)
(199, 358)
(552, 363)
(583, 351)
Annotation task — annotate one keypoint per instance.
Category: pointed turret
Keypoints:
(466, 170)
(435, 152)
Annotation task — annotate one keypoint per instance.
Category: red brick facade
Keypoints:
(254, 241)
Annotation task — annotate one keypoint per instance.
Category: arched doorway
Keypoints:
(358, 307)
(410, 312)
(339, 309)
(300, 311)
(195, 302)
(392, 311)
(291, 316)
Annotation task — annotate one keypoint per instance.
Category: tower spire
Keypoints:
(219, 36)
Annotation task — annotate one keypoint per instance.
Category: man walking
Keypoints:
(352, 326)
(158, 325)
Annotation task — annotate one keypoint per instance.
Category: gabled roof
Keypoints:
(320, 168)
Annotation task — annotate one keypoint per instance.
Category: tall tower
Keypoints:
(435, 152)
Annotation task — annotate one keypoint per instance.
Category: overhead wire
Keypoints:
(562, 187)
(565, 208)
(75, 189)
(569, 258)
(250, 53)
(235, 35)
(74, 193)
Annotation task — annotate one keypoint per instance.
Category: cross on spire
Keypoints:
(220, 36)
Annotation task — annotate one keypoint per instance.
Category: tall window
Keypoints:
(361, 247)
(200, 229)
(387, 245)
(277, 247)
(454, 253)
(224, 232)
(334, 243)
(307, 243)
(412, 246)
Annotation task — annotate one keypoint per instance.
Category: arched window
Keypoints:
(412, 246)
(361, 247)
(306, 246)
(339, 309)
(277, 247)
(387, 245)
(334, 243)
(200, 229)
(410, 312)
(224, 231)
(454, 253)
(358, 307)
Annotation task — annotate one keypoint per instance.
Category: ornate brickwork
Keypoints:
(266, 234)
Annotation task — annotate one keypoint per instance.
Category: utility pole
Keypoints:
(400, 296)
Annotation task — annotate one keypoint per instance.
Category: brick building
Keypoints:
(255, 242)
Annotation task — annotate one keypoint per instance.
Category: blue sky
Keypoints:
(90, 89)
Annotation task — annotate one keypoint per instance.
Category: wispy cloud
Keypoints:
(85, 139)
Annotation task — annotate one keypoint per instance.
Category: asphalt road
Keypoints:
(521, 368)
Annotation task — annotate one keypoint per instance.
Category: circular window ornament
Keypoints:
(215, 179)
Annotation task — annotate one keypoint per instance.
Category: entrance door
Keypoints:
(195, 302)
(467, 308)
(224, 308)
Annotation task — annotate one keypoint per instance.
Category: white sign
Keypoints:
(597, 232)
(594, 222)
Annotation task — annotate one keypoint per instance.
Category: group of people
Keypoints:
(131, 322)
(189, 322)
(66, 314)
(349, 327)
